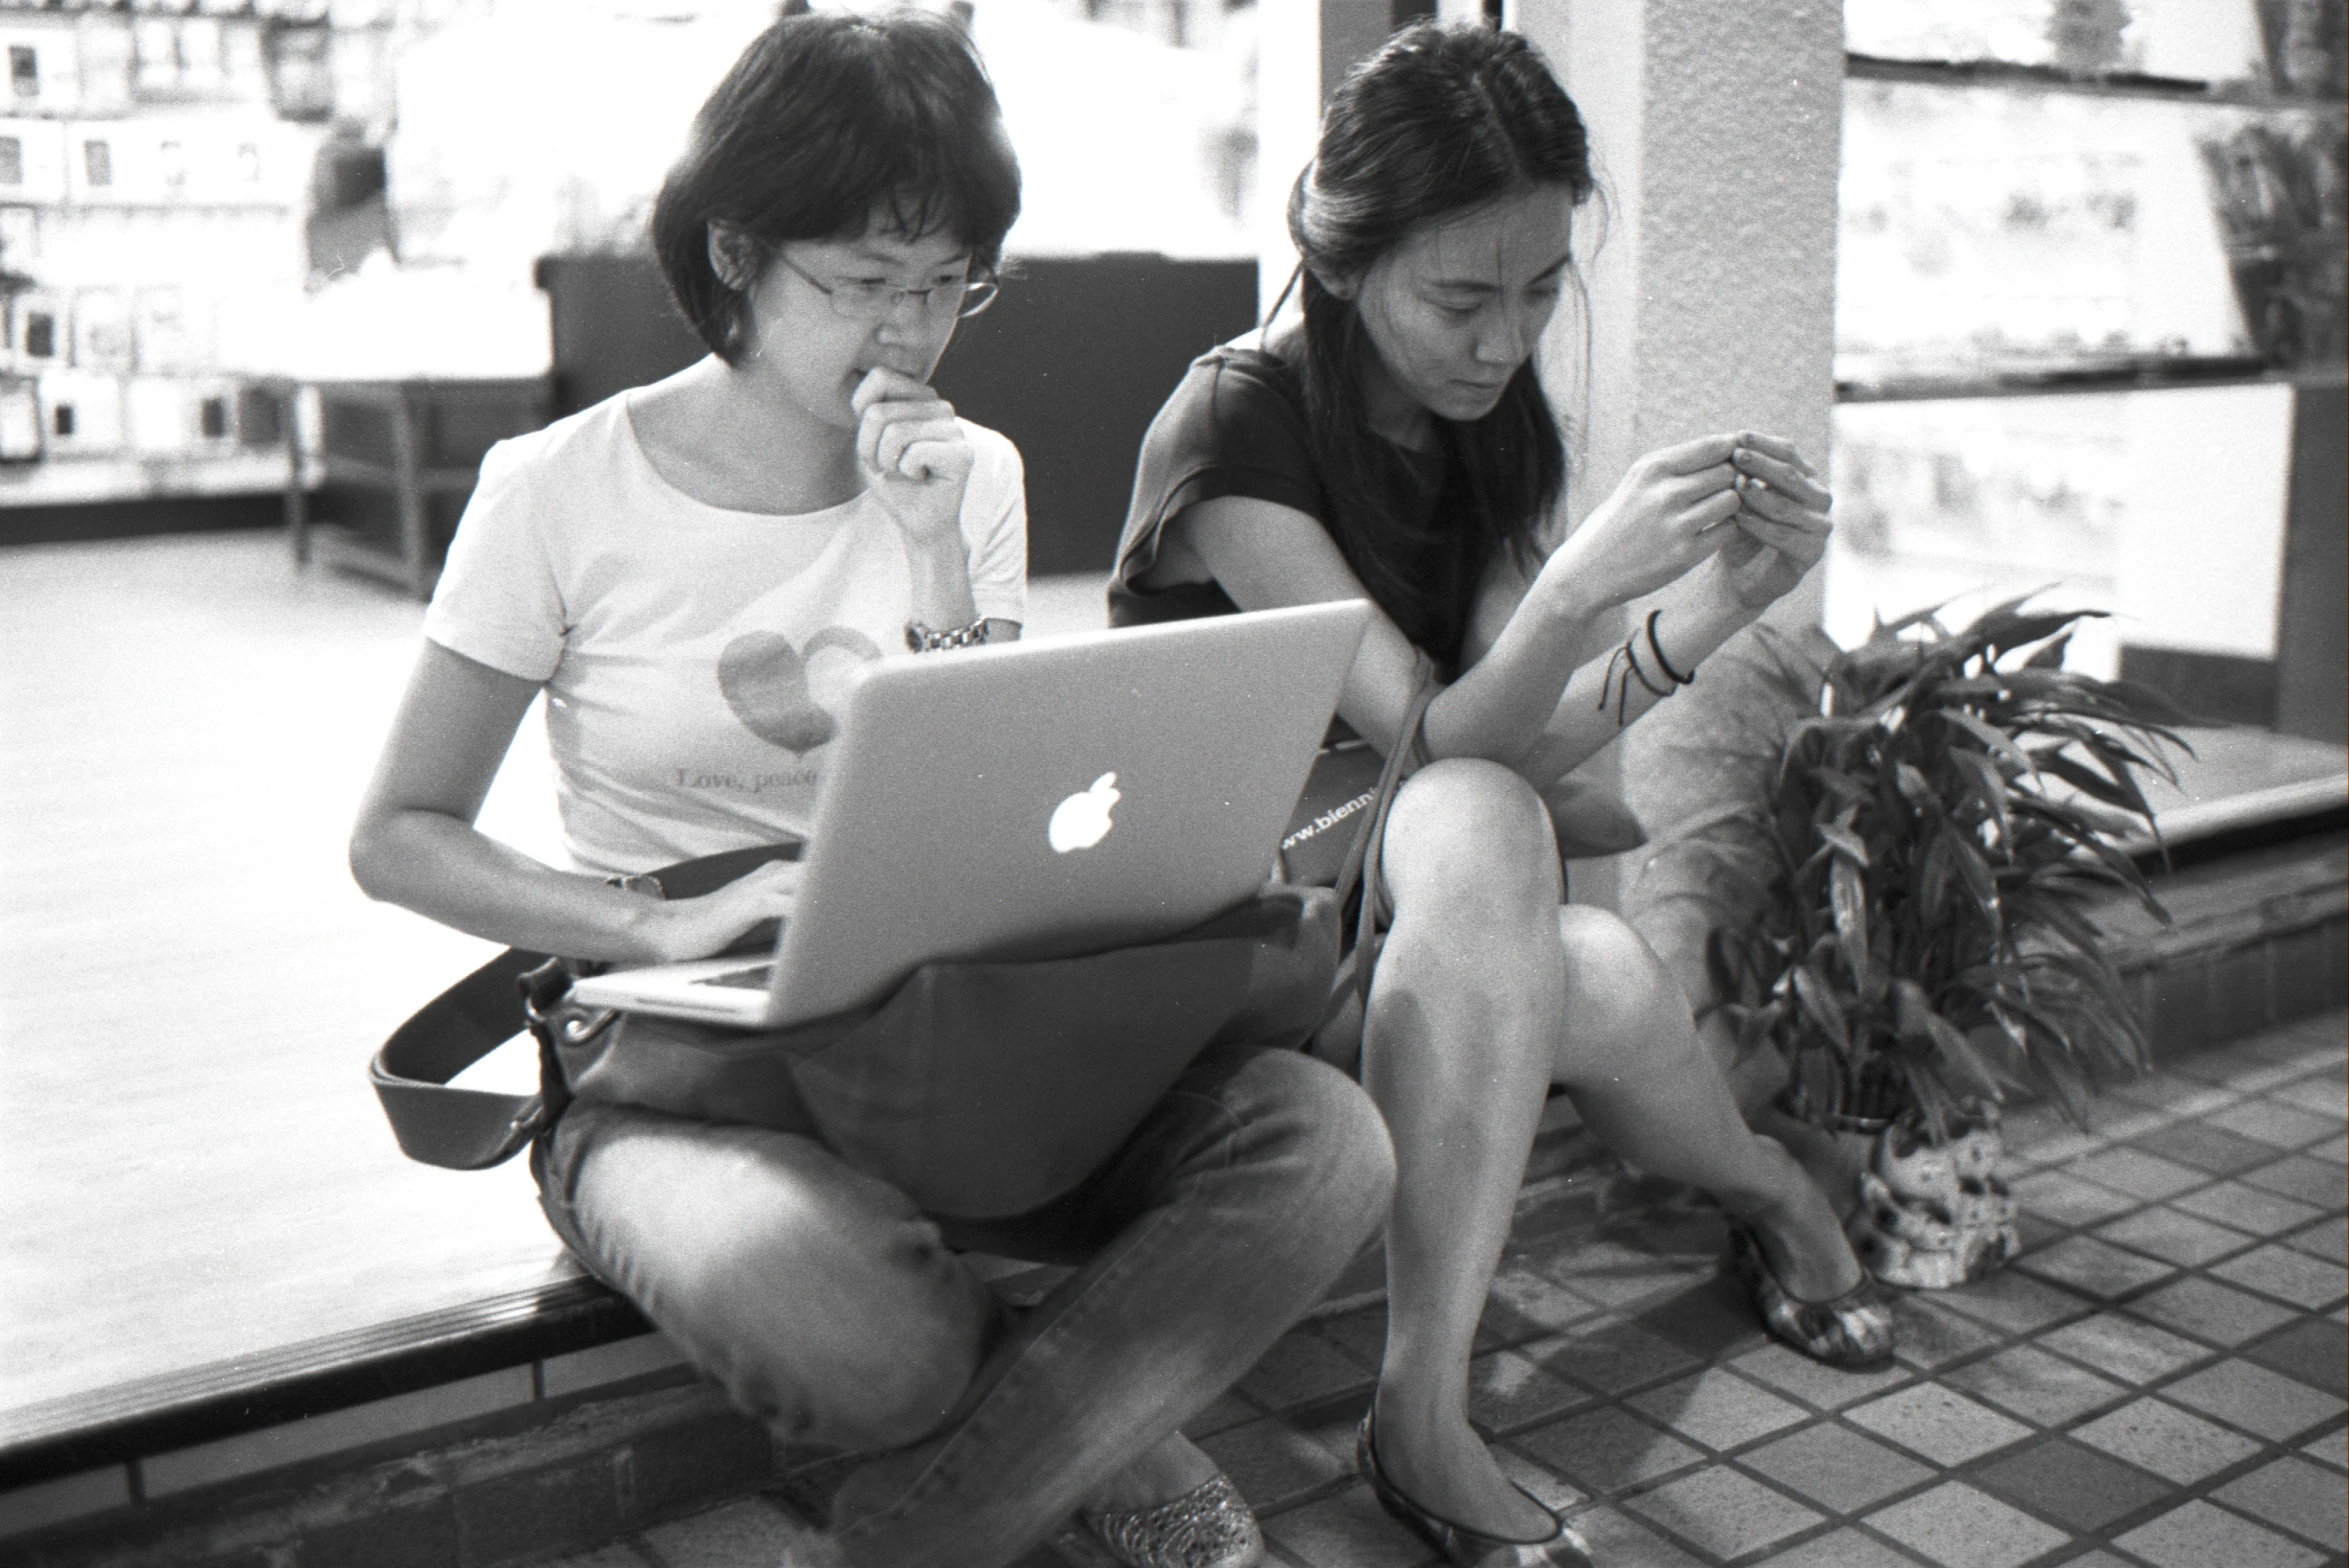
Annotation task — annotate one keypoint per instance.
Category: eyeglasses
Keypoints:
(866, 299)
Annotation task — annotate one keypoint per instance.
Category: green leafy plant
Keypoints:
(1905, 894)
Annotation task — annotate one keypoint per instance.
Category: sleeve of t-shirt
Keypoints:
(1228, 430)
(995, 527)
(498, 601)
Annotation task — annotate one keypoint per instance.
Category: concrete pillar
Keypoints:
(1715, 129)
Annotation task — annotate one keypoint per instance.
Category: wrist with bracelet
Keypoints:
(921, 637)
(1626, 659)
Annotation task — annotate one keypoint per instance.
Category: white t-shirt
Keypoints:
(693, 657)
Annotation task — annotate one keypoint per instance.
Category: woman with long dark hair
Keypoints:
(1395, 442)
(667, 567)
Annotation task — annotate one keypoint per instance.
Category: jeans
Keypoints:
(824, 1302)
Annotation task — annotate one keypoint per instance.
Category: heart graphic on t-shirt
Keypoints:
(764, 679)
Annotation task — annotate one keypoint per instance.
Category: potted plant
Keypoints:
(1895, 878)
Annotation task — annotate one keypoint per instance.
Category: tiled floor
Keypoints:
(2159, 1380)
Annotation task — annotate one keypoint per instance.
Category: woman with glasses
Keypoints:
(689, 571)
(1394, 443)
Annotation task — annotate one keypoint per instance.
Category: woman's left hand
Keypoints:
(912, 454)
(1782, 524)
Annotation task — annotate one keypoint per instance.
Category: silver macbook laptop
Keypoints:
(1056, 795)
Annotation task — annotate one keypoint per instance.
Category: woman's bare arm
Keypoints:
(415, 844)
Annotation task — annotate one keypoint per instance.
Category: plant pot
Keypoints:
(1935, 1215)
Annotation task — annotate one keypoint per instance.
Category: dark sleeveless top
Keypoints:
(1236, 426)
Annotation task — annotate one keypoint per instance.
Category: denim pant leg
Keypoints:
(819, 1299)
(1209, 1234)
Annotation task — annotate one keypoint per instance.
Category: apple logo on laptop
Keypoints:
(1082, 820)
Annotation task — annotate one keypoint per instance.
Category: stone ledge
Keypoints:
(465, 1499)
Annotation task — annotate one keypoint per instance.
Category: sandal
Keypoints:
(1210, 1526)
(1461, 1546)
(1852, 1331)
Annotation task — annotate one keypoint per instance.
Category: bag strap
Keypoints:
(1364, 855)
(473, 1129)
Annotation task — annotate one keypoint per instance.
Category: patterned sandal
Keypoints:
(1852, 1331)
(1210, 1526)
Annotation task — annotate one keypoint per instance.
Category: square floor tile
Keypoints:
(1272, 1461)
(1958, 1527)
(2013, 1302)
(2247, 1208)
(1722, 1512)
(2253, 1398)
(2054, 1145)
(2208, 1310)
(1843, 1549)
(1302, 1367)
(2288, 1274)
(1930, 1336)
(2313, 1351)
(1349, 1530)
(2094, 1268)
(2331, 1449)
(1617, 1537)
(2134, 1173)
(1939, 1423)
(1613, 1356)
(2132, 1351)
(1814, 1382)
(2043, 1389)
(1508, 1389)
(2165, 1233)
(2202, 1536)
(1549, 1490)
(1710, 1320)
(2205, 1148)
(2068, 1199)
(2327, 1239)
(748, 1530)
(2320, 1182)
(2166, 1440)
(1229, 1410)
(1523, 1304)
(1606, 1450)
(1361, 1332)
(2319, 1094)
(1718, 1409)
(2071, 1485)
(2294, 1495)
(2169, 1092)
(2285, 1126)
(1835, 1467)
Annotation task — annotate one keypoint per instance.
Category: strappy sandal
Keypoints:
(1463, 1547)
(1852, 1331)
(1210, 1526)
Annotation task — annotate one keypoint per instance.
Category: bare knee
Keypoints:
(1474, 839)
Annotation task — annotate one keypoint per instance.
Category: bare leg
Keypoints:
(1487, 993)
(1458, 1049)
(1652, 1092)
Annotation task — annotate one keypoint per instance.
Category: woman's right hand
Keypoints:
(1670, 514)
(678, 930)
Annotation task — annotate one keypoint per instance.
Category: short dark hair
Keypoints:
(827, 123)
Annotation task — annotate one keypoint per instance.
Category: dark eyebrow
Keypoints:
(1477, 286)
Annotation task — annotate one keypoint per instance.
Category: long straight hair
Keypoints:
(1442, 120)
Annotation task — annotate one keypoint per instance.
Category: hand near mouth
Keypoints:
(912, 454)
